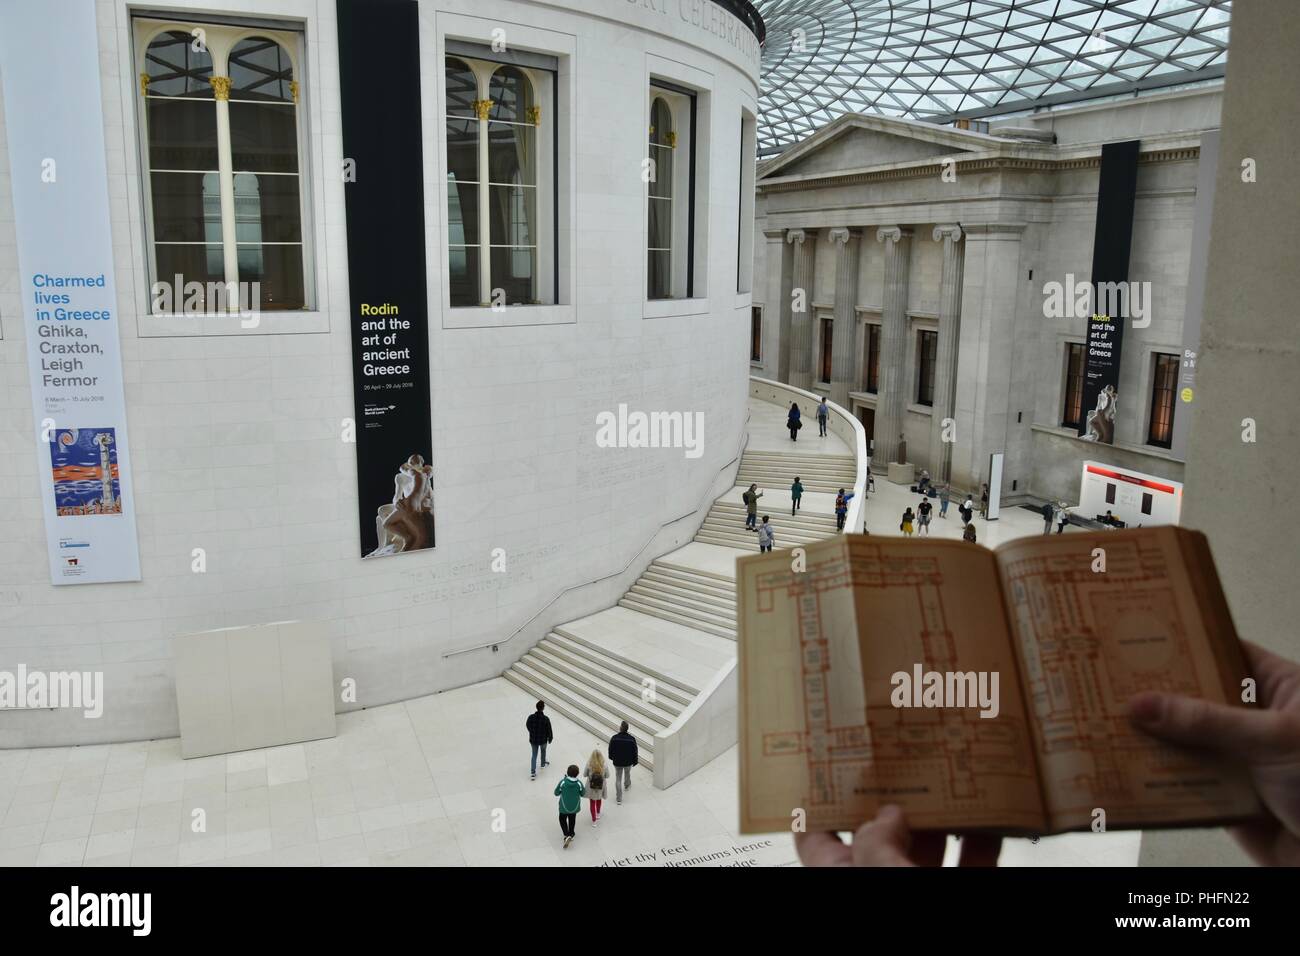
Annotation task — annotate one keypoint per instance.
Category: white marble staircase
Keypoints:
(725, 525)
(597, 688)
(677, 592)
(816, 472)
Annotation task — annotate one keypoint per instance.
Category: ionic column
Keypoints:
(892, 402)
(804, 242)
(776, 310)
(844, 338)
(945, 366)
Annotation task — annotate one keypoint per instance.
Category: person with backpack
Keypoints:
(623, 755)
(569, 790)
(597, 776)
(539, 735)
(923, 516)
(796, 495)
(842, 508)
(823, 410)
(792, 421)
(905, 525)
(1048, 513)
(766, 536)
(967, 510)
(751, 507)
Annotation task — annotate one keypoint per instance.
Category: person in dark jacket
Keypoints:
(623, 755)
(792, 421)
(968, 534)
(539, 735)
(1048, 513)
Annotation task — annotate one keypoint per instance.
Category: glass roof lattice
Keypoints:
(942, 60)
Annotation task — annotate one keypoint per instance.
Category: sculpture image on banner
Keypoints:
(84, 466)
(1100, 425)
(407, 523)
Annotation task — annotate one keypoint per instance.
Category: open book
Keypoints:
(982, 690)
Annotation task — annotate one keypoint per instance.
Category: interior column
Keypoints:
(945, 366)
(893, 345)
(799, 305)
(844, 337)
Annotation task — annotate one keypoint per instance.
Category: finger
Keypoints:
(884, 841)
(1252, 735)
(1271, 672)
(822, 849)
(980, 849)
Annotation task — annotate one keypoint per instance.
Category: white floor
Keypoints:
(440, 780)
(767, 432)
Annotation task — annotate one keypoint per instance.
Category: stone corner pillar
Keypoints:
(799, 305)
(844, 337)
(892, 395)
(776, 310)
(944, 410)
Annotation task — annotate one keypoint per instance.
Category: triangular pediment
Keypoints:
(856, 141)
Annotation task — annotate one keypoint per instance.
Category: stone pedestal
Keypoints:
(902, 474)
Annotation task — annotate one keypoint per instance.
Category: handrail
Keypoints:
(708, 491)
(853, 520)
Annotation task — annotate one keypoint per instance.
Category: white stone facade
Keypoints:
(237, 437)
(1024, 208)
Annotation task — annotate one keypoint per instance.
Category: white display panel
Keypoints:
(59, 176)
(1131, 496)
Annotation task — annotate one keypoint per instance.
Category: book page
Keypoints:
(820, 732)
(1090, 639)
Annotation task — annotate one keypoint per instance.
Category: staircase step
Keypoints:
(586, 722)
(725, 619)
(633, 605)
(639, 670)
(670, 565)
(683, 597)
(699, 587)
(585, 681)
(607, 715)
(602, 663)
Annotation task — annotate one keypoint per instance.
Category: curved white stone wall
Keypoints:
(237, 438)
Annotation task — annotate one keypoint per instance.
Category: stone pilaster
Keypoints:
(892, 400)
(844, 339)
(945, 366)
(799, 305)
(776, 310)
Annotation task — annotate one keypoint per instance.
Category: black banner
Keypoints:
(383, 171)
(1111, 244)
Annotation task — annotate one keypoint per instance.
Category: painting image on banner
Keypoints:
(83, 462)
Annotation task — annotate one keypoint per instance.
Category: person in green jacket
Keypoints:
(569, 790)
(796, 493)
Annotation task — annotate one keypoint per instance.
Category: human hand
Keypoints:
(887, 841)
(1266, 737)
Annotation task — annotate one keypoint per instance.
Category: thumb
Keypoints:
(1238, 732)
(884, 841)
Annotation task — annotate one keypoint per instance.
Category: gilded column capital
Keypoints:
(483, 108)
(293, 90)
(144, 84)
(220, 86)
(534, 115)
(949, 231)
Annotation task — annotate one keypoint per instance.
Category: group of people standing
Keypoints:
(592, 781)
(918, 521)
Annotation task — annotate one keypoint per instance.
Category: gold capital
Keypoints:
(671, 139)
(293, 89)
(144, 84)
(220, 86)
(534, 114)
(483, 108)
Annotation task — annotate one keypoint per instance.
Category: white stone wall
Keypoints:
(236, 439)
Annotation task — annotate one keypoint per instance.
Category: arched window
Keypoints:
(659, 243)
(492, 184)
(224, 171)
(182, 166)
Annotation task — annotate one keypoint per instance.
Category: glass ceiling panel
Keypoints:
(823, 58)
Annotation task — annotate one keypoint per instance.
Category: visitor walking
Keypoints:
(623, 755)
(923, 516)
(796, 495)
(766, 536)
(1048, 514)
(969, 533)
(597, 776)
(842, 508)
(905, 525)
(539, 735)
(1062, 518)
(945, 496)
(984, 502)
(751, 507)
(569, 790)
(792, 421)
(822, 411)
(967, 510)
